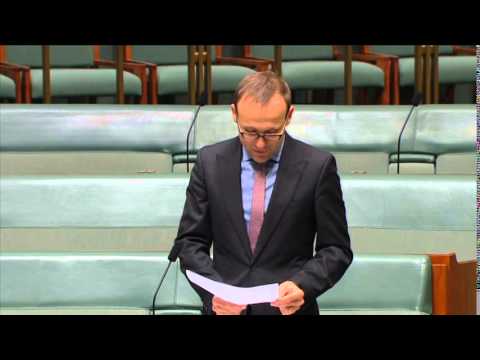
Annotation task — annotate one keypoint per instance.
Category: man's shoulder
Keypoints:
(310, 152)
(220, 148)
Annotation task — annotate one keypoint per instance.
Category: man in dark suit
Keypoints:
(260, 199)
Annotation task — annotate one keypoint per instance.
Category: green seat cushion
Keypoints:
(445, 129)
(7, 87)
(95, 281)
(84, 82)
(451, 69)
(329, 74)
(408, 214)
(382, 282)
(41, 127)
(226, 77)
(457, 69)
(118, 202)
(172, 79)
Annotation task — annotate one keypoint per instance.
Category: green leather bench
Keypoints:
(136, 213)
(72, 283)
(386, 214)
(91, 139)
(105, 139)
(439, 139)
(402, 214)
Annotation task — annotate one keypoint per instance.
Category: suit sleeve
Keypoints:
(195, 232)
(333, 254)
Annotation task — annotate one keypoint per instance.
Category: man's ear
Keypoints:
(289, 114)
(234, 112)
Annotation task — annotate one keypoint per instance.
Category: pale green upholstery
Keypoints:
(405, 282)
(438, 138)
(313, 67)
(70, 283)
(72, 72)
(7, 87)
(172, 70)
(91, 139)
(452, 69)
(364, 138)
(411, 214)
(137, 213)
(84, 82)
(385, 214)
(107, 283)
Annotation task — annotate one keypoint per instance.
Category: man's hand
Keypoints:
(222, 307)
(290, 298)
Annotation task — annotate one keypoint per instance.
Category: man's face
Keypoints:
(270, 118)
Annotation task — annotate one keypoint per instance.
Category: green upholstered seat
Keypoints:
(385, 214)
(84, 82)
(304, 75)
(137, 213)
(411, 214)
(452, 69)
(172, 70)
(438, 138)
(91, 139)
(395, 284)
(7, 87)
(313, 67)
(95, 283)
(72, 72)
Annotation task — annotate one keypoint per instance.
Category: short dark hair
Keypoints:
(262, 86)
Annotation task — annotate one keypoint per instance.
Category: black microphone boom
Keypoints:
(202, 100)
(416, 100)
(172, 257)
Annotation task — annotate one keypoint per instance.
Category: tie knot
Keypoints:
(264, 167)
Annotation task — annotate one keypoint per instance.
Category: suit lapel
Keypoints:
(289, 173)
(228, 177)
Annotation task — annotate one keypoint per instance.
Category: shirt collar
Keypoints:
(275, 158)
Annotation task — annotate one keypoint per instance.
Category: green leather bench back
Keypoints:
(93, 281)
(86, 139)
(116, 282)
(60, 55)
(385, 283)
(91, 139)
(411, 214)
(295, 52)
(407, 50)
(91, 213)
(385, 214)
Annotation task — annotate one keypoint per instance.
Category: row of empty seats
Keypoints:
(87, 139)
(158, 71)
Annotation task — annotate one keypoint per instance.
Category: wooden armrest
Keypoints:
(148, 64)
(372, 57)
(256, 63)
(127, 65)
(459, 50)
(13, 71)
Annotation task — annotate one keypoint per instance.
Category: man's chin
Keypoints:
(260, 160)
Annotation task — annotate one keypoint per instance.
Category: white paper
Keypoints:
(234, 294)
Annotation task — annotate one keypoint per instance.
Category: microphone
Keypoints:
(172, 257)
(416, 100)
(202, 100)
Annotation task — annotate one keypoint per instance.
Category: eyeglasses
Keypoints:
(254, 136)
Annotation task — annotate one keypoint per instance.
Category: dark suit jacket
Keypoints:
(306, 201)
